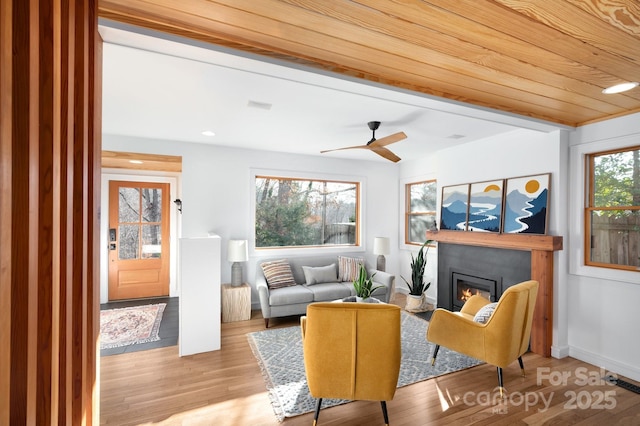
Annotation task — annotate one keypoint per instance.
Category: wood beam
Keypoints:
(49, 186)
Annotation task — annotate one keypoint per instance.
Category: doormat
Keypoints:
(130, 326)
(279, 354)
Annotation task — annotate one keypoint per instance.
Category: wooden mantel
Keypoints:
(541, 248)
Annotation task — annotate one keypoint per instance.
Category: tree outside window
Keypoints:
(420, 210)
(612, 214)
(301, 212)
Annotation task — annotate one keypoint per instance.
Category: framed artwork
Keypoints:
(526, 204)
(485, 206)
(455, 207)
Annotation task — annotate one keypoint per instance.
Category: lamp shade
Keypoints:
(238, 251)
(381, 245)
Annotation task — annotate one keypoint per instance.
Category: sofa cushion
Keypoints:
(278, 274)
(329, 291)
(349, 267)
(290, 295)
(320, 274)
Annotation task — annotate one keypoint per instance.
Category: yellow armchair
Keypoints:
(352, 351)
(501, 340)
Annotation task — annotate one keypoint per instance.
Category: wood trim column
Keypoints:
(542, 328)
(49, 192)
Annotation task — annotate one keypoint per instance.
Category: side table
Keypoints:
(236, 302)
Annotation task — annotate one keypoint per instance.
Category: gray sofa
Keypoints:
(293, 300)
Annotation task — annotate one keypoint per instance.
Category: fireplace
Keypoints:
(536, 258)
(489, 271)
(463, 286)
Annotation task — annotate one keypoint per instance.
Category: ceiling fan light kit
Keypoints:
(377, 145)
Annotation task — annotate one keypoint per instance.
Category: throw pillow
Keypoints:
(278, 274)
(320, 274)
(349, 268)
(483, 315)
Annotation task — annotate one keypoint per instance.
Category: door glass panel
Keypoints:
(151, 205)
(151, 241)
(129, 242)
(129, 205)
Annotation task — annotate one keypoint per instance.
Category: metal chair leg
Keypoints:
(384, 412)
(435, 354)
(500, 383)
(521, 366)
(317, 413)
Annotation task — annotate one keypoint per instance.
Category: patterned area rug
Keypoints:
(279, 354)
(129, 326)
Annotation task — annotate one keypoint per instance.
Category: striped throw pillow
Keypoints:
(349, 268)
(278, 274)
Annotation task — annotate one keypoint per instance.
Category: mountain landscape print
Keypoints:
(485, 206)
(525, 210)
(453, 215)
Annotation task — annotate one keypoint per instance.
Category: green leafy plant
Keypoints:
(363, 284)
(417, 285)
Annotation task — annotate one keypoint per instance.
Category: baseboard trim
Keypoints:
(610, 365)
(560, 351)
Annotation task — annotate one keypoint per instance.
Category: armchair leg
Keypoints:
(500, 383)
(266, 323)
(384, 412)
(521, 366)
(317, 413)
(435, 354)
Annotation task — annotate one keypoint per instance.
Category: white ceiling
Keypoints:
(161, 87)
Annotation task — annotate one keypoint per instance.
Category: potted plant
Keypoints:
(364, 285)
(416, 300)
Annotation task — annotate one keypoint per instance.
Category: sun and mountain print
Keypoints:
(525, 210)
(485, 207)
(520, 207)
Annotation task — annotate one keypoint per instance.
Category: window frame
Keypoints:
(360, 183)
(589, 207)
(408, 213)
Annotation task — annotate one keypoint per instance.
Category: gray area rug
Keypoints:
(279, 354)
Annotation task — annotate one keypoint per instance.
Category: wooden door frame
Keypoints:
(173, 179)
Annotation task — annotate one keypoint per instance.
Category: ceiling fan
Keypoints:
(378, 145)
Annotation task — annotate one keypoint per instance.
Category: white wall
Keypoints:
(602, 303)
(216, 183)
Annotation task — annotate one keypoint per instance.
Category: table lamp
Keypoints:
(237, 252)
(381, 246)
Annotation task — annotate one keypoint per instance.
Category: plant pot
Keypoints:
(417, 303)
(362, 299)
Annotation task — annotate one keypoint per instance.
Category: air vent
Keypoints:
(259, 105)
(454, 136)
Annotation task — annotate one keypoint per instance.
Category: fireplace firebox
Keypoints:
(465, 285)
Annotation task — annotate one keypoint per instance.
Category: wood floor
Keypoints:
(226, 388)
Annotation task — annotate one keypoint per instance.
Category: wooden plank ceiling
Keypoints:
(546, 59)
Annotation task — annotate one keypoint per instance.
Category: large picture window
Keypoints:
(303, 212)
(420, 210)
(612, 214)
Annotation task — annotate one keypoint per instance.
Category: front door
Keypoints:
(138, 239)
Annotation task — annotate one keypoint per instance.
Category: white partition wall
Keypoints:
(199, 295)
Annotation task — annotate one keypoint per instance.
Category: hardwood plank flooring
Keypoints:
(226, 388)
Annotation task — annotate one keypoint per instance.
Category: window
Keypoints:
(420, 210)
(612, 214)
(303, 212)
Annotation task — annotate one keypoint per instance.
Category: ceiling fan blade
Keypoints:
(384, 152)
(347, 147)
(388, 140)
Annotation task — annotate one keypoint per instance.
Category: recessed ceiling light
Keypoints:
(135, 161)
(208, 133)
(622, 87)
